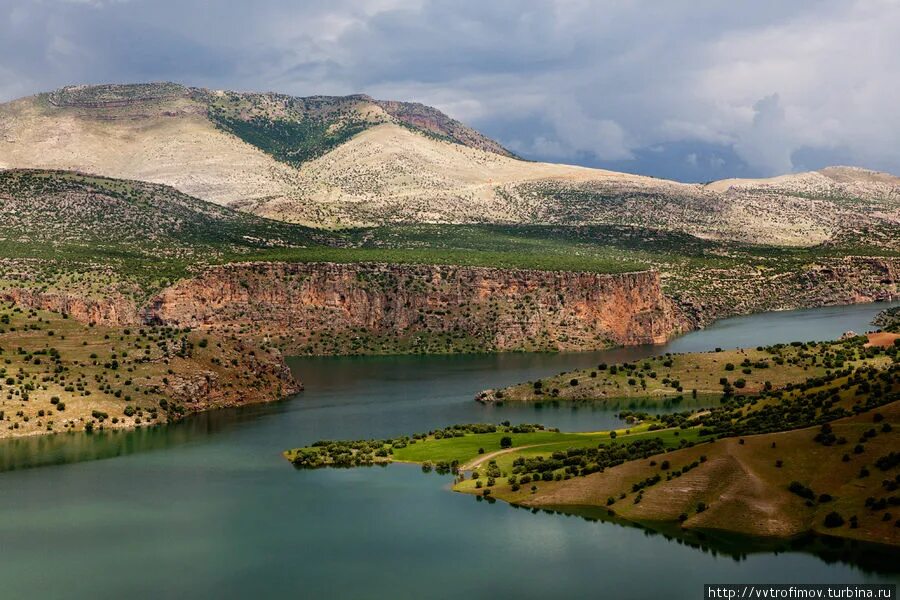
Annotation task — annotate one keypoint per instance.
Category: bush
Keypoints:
(506, 441)
(801, 490)
(833, 519)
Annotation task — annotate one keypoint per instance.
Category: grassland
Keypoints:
(818, 455)
(60, 375)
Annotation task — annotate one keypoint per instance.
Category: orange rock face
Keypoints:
(508, 309)
(494, 309)
(114, 310)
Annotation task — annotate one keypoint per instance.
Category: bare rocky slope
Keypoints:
(309, 306)
(357, 161)
(365, 308)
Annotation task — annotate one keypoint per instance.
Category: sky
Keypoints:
(693, 90)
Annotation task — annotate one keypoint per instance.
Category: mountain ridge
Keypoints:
(338, 161)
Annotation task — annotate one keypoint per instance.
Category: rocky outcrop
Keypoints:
(114, 310)
(847, 280)
(503, 309)
(435, 122)
(265, 377)
(329, 308)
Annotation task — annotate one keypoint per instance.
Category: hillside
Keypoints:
(59, 375)
(116, 251)
(96, 237)
(345, 161)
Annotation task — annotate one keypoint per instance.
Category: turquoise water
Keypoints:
(208, 508)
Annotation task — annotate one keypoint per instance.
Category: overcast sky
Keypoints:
(687, 89)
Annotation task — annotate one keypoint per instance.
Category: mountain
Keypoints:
(354, 161)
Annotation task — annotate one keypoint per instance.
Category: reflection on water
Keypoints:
(71, 447)
(872, 558)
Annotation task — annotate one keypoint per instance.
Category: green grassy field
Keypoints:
(466, 449)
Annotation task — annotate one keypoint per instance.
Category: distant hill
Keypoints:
(352, 160)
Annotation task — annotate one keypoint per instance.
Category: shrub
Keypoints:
(833, 519)
(801, 490)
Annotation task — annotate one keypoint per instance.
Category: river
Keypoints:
(209, 509)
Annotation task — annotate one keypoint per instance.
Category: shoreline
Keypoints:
(124, 427)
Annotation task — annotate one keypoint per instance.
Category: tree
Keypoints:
(505, 441)
(833, 519)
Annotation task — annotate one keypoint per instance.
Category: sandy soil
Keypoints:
(882, 339)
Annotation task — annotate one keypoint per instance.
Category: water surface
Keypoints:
(208, 508)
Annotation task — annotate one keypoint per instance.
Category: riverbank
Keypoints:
(888, 319)
(778, 485)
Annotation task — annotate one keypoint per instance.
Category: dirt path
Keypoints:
(477, 462)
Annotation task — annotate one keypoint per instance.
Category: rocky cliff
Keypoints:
(829, 282)
(113, 310)
(312, 308)
(328, 308)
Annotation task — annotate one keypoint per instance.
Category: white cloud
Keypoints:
(561, 80)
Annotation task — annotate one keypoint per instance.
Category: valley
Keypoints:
(417, 299)
(124, 252)
(333, 225)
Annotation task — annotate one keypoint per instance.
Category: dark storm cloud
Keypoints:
(694, 89)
